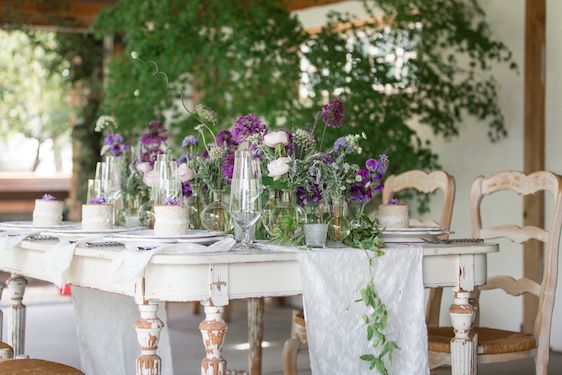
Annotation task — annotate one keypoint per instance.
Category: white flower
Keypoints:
(135, 55)
(150, 178)
(104, 122)
(278, 167)
(358, 178)
(185, 173)
(144, 167)
(279, 137)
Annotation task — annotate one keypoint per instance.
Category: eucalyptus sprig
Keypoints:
(367, 237)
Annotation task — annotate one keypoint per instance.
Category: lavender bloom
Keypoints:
(327, 158)
(248, 125)
(172, 202)
(48, 197)
(190, 140)
(98, 200)
(157, 134)
(341, 145)
(223, 138)
(333, 114)
(186, 189)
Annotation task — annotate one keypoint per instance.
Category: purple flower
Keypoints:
(341, 145)
(115, 144)
(364, 173)
(48, 197)
(156, 134)
(360, 193)
(172, 202)
(302, 197)
(182, 159)
(98, 200)
(186, 189)
(189, 141)
(314, 195)
(383, 164)
(227, 167)
(393, 201)
(333, 114)
(246, 126)
(328, 159)
(372, 164)
(223, 138)
(379, 188)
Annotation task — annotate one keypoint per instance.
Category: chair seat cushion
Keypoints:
(35, 367)
(490, 341)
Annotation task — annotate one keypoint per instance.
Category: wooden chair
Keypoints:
(497, 345)
(10, 366)
(422, 182)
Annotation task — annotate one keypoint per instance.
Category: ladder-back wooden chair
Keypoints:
(427, 184)
(423, 182)
(11, 366)
(498, 345)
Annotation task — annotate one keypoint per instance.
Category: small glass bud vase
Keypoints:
(287, 219)
(267, 210)
(215, 215)
(338, 226)
(315, 229)
(196, 204)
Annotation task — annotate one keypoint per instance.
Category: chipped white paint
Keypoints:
(16, 314)
(213, 330)
(218, 284)
(465, 344)
(148, 328)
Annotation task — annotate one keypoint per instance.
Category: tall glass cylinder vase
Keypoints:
(215, 215)
(338, 226)
(267, 211)
(196, 204)
(113, 186)
(287, 219)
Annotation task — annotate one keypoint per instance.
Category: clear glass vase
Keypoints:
(287, 219)
(215, 215)
(357, 212)
(338, 226)
(267, 210)
(196, 205)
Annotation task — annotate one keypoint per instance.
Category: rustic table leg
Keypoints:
(255, 334)
(213, 330)
(148, 328)
(16, 312)
(465, 343)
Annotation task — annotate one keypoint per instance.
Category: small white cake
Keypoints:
(47, 213)
(97, 216)
(394, 216)
(170, 220)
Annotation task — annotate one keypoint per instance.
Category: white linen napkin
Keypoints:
(58, 258)
(130, 263)
(10, 240)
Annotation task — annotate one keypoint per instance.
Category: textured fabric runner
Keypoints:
(337, 335)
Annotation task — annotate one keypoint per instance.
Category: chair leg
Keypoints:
(433, 307)
(290, 352)
(541, 362)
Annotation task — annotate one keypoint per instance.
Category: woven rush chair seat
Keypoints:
(6, 351)
(35, 367)
(490, 341)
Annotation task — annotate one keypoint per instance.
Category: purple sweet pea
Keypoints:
(48, 197)
(302, 197)
(186, 189)
(383, 164)
(172, 202)
(393, 201)
(333, 114)
(246, 126)
(372, 164)
(98, 200)
(189, 141)
(360, 193)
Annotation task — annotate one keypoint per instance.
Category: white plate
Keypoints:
(78, 231)
(148, 234)
(148, 242)
(419, 229)
(29, 225)
(412, 234)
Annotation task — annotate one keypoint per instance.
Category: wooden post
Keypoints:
(255, 334)
(534, 145)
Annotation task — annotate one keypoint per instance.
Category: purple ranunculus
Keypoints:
(223, 138)
(342, 146)
(227, 167)
(172, 202)
(189, 141)
(98, 200)
(360, 193)
(333, 114)
(48, 197)
(246, 126)
(186, 189)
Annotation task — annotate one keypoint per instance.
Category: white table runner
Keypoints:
(337, 335)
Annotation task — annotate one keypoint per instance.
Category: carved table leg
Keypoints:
(255, 334)
(464, 345)
(213, 330)
(2, 286)
(16, 312)
(148, 328)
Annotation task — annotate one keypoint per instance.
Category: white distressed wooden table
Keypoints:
(216, 278)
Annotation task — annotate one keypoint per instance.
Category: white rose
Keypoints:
(185, 173)
(279, 137)
(278, 167)
(150, 178)
(144, 167)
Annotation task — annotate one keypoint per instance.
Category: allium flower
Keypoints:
(48, 197)
(248, 125)
(304, 139)
(333, 114)
(206, 114)
(278, 167)
(156, 134)
(189, 141)
(216, 152)
(223, 138)
(172, 202)
(98, 200)
(186, 189)
(272, 139)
